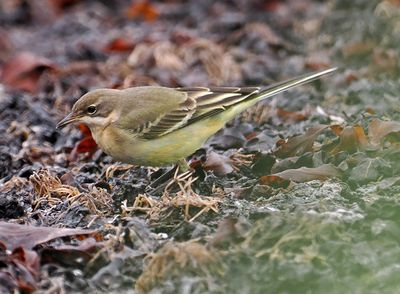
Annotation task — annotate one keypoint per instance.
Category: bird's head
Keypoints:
(92, 109)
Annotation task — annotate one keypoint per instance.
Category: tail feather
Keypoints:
(233, 100)
(285, 85)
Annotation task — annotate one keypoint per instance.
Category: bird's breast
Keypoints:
(110, 141)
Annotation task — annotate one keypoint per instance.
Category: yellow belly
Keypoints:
(166, 150)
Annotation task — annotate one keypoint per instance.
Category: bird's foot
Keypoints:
(161, 182)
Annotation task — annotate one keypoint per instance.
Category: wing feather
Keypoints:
(217, 99)
(170, 121)
(201, 102)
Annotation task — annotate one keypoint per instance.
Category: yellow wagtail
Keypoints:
(156, 126)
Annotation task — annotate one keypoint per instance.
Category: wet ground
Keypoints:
(298, 194)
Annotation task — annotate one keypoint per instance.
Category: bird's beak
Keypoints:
(67, 120)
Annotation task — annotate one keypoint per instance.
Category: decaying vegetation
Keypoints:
(298, 194)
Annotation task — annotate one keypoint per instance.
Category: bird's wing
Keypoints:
(213, 100)
(150, 112)
(202, 102)
(169, 121)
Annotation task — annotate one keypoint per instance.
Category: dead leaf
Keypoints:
(370, 169)
(272, 5)
(274, 181)
(264, 31)
(300, 144)
(284, 164)
(360, 48)
(306, 174)
(351, 76)
(229, 230)
(360, 135)
(379, 129)
(262, 163)
(336, 129)
(142, 9)
(29, 258)
(86, 145)
(291, 116)
(221, 165)
(318, 61)
(22, 270)
(119, 45)
(351, 139)
(14, 235)
(71, 255)
(60, 5)
(24, 70)
(385, 60)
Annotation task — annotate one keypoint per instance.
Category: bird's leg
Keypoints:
(162, 180)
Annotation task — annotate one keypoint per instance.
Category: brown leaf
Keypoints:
(351, 139)
(305, 174)
(354, 49)
(360, 136)
(379, 129)
(385, 60)
(143, 9)
(351, 77)
(14, 235)
(229, 230)
(86, 145)
(71, 255)
(119, 45)
(318, 61)
(250, 135)
(24, 70)
(300, 144)
(29, 258)
(221, 165)
(274, 181)
(291, 116)
(21, 272)
(272, 5)
(60, 5)
(337, 129)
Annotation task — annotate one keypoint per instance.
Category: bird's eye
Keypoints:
(91, 109)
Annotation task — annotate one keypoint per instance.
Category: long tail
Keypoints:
(285, 85)
(262, 93)
(233, 100)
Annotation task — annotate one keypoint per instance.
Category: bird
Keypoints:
(160, 126)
